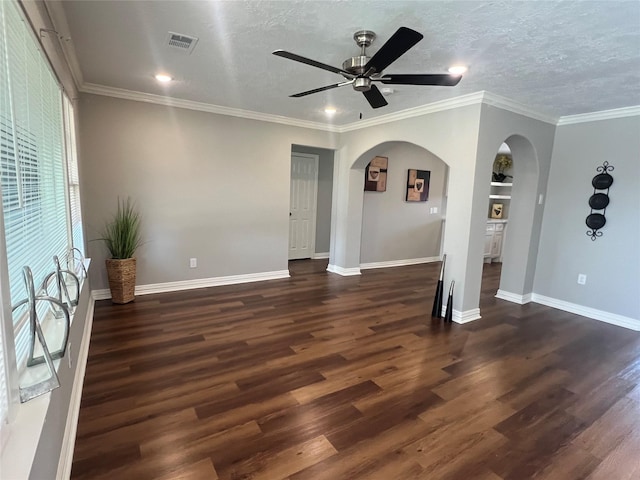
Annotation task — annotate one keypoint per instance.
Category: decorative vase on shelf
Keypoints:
(500, 165)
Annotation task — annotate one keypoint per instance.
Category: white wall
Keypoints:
(612, 262)
(392, 228)
(208, 186)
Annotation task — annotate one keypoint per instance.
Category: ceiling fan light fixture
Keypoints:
(163, 78)
(458, 69)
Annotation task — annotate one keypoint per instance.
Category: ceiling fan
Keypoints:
(361, 71)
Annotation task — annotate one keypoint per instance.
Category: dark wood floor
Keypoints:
(343, 378)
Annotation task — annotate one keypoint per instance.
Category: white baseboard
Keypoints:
(198, 283)
(345, 272)
(466, 316)
(319, 256)
(398, 263)
(462, 317)
(69, 439)
(612, 318)
(514, 297)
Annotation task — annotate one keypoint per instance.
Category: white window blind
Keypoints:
(32, 167)
(75, 210)
(4, 401)
(5, 147)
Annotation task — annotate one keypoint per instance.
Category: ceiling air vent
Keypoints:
(181, 42)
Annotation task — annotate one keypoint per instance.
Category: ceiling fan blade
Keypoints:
(321, 89)
(445, 80)
(313, 63)
(394, 48)
(374, 97)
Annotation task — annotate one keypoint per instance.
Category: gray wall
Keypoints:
(47, 457)
(393, 229)
(325, 190)
(208, 186)
(531, 144)
(612, 262)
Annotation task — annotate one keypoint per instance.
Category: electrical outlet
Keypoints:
(433, 210)
(582, 278)
(193, 262)
(540, 199)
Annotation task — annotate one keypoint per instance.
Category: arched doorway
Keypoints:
(397, 230)
(517, 255)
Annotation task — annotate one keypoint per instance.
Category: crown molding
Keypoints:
(58, 19)
(482, 97)
(439, 106)
(202, 107)
(504, 103)
(602, 115)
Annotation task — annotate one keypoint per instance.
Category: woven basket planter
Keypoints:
(122, 279)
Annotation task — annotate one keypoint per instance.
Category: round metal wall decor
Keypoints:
(599, 201)
(602, 181)
(596, 221)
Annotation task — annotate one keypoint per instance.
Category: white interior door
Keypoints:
(302, 213)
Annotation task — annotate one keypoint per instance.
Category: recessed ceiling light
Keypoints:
(163, 78)
(458, 69)
(330, 111)
(386, 91)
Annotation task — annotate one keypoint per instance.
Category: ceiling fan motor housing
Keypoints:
(356, 66)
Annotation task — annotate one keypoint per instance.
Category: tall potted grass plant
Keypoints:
(122, 238)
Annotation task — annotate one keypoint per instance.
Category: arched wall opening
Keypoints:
(519, 240)
(518, 266)
(396, 231)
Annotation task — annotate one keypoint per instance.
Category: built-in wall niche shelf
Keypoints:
(501, 184)
(499, 200)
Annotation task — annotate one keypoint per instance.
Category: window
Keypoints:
(75, 210)
(38, 173)
(32, 164)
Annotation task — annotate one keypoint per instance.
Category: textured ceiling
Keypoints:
(556, 57)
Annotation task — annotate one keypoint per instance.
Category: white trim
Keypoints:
(463, 317)
(202, 107)
(602, 115)
(439, 106)
(612, 318)
(69, 439)
(481, 97)
(198, 283)
(398, 263)
(318, 256)
(58, 18)
(512, 106)
(345, 272)
(513, 297)
(466, 316)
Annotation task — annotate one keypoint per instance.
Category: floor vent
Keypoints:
(181, 42)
